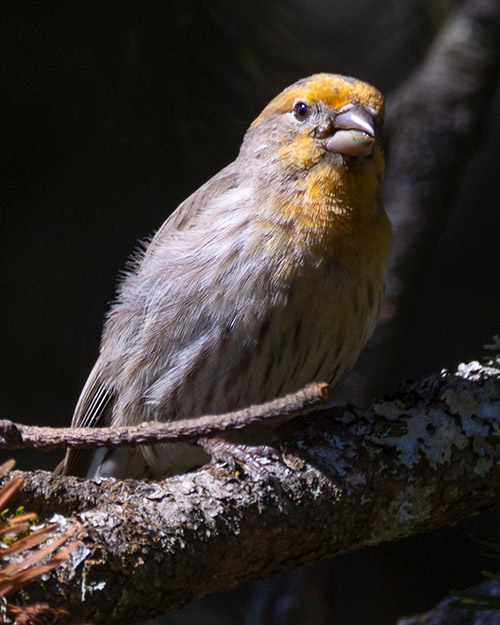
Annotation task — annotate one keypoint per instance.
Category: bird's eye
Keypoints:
(301, 110)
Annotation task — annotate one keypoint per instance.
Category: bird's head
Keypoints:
(318, 144)
(325, 116)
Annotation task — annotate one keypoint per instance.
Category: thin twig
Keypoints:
(14, 436)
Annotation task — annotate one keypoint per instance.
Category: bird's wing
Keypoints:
(92, 409)
(98, 396)
(189, 211)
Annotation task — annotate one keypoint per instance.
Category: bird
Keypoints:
(270, 276)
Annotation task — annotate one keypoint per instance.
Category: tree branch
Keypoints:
(427, 457)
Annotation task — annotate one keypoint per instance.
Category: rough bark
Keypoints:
(427, 457)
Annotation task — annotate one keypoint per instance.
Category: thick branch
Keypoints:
(16, 436)
(427, 457)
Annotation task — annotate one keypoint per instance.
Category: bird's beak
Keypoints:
(353, 132)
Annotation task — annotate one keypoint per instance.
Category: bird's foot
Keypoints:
(246, 456)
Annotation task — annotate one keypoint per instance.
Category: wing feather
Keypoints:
(92, 410)
(100, 393)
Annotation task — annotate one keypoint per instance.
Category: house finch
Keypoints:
(269, 277)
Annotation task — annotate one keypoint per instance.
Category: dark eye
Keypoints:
(301, 110)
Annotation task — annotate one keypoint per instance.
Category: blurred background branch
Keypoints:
(434, 125)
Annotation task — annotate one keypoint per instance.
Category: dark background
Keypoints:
(113, 113)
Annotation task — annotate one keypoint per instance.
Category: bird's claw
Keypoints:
(246, 456)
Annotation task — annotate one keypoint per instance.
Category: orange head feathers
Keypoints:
(319, 145)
